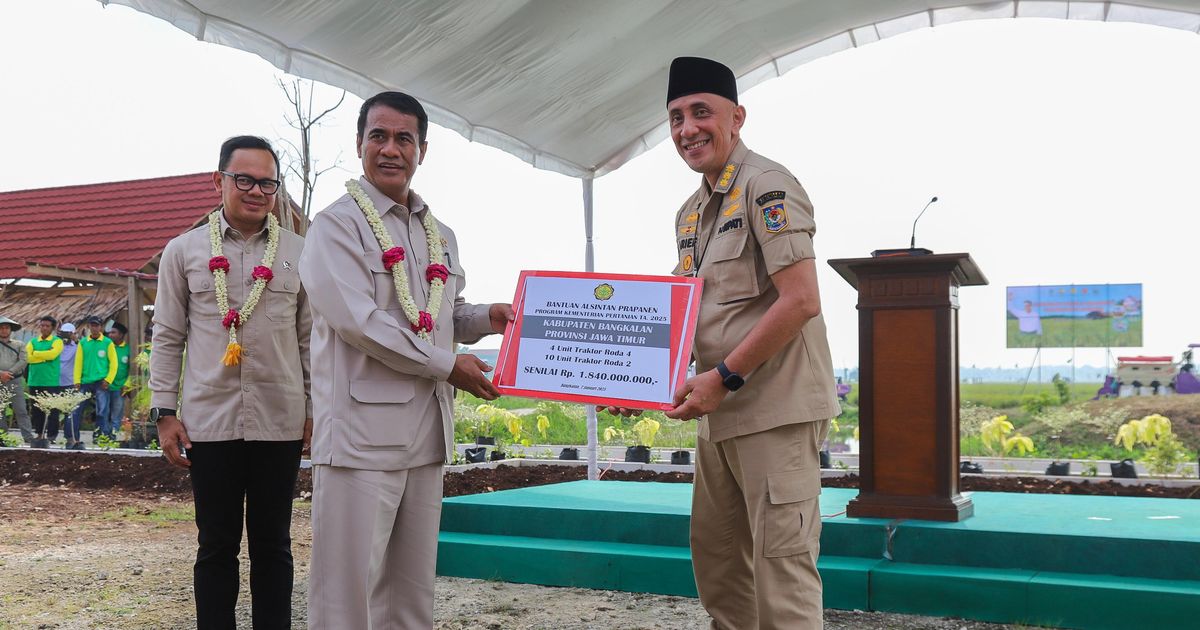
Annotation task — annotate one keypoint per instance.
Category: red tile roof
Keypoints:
(118, 225)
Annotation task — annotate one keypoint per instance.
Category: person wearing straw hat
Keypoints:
(12, 375)
(764, 389)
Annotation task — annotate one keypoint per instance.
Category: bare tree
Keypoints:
(299, 159)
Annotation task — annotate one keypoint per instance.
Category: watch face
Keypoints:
(734, 382)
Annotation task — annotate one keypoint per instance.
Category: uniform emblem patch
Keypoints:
(687, 262)
(731, 209)
(774, 195)
(692, 218)
(775, 217)
(687, 229)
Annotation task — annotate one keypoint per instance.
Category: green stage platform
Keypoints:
(1055, 560)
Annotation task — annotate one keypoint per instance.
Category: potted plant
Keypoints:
(999, 443)
(63, 402)
(475, 454)
(643, 432)
(1164, 452)
(1059, 469)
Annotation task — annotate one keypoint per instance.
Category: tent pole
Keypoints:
(589, 264)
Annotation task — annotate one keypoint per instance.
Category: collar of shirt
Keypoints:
(385, 204)
(737, 157)
(228, 231)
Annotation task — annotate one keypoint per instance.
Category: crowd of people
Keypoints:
(60, 357)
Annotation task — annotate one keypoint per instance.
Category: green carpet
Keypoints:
(1068, 561)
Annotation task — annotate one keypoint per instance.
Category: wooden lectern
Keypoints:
(908, 383)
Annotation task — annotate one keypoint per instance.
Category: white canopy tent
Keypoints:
(576, 86)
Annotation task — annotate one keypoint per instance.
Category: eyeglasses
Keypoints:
(246, 183)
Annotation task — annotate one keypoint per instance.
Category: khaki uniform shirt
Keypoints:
(755, 222)
(380, 394)
(266, 396)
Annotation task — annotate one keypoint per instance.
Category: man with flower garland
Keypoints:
(386, 282)
(229, 291)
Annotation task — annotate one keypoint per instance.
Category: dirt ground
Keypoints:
(103, 471)
(76, 558)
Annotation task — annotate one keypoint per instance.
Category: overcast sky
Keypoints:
(1062, 152)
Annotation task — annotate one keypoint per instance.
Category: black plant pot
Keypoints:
(826, 460)
(476, 455)
(40, 443)
(1124, 469)
(569, 453)
(681, 458)
(497, 455)
(1059, 469)
(970, 467)
(638, 454)
(488, 441)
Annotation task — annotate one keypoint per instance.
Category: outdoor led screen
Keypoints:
(1074, 316)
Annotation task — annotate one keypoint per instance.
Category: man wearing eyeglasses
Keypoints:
(245, 415)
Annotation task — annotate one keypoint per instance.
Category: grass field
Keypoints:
(1073, 332)
(1009, 395)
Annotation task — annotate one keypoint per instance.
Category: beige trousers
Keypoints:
(374, 551)
(756, 527)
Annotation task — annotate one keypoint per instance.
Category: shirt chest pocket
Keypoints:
(280, 297)
(729, 270)
(456, 280)
(202, 296)
(381, 278)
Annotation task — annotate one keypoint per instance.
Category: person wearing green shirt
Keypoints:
(115, 392)
(95, 371)
(43, 351)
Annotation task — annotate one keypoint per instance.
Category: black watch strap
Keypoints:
(158, 413)
(730, 379)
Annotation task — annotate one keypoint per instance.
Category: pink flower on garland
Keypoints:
(424, 322)
(392, 256)
(262, 272)
(232, 318)
(436, 271)
(218, 262)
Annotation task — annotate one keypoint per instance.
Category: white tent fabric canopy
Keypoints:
(576, 86)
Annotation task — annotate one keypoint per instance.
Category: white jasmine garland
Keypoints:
(262, 275)
(433, 237)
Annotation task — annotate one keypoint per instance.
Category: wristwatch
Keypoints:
(158, 413)
(730, 379)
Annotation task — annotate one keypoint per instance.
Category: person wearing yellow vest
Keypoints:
(95, 371)
(43, 353)
(115, 392)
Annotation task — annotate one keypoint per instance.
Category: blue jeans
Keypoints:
(116, 408)
(100, 396)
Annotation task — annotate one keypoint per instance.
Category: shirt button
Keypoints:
(245, 388)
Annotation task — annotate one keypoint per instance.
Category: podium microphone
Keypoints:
(912, 243)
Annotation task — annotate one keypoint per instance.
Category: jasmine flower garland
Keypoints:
(219, 266)
(420, 321)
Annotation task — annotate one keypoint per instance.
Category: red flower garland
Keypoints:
(262, 272)
(232, 318)
(424, 322)
(392, 256)
(436, 271)
(218, 262)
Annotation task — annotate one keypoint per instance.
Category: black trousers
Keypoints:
(39, 417)
(261, 477)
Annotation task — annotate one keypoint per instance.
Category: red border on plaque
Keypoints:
(682, 313)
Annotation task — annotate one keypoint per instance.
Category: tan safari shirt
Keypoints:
(379, 391)
(266, 396)
(756, 221)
